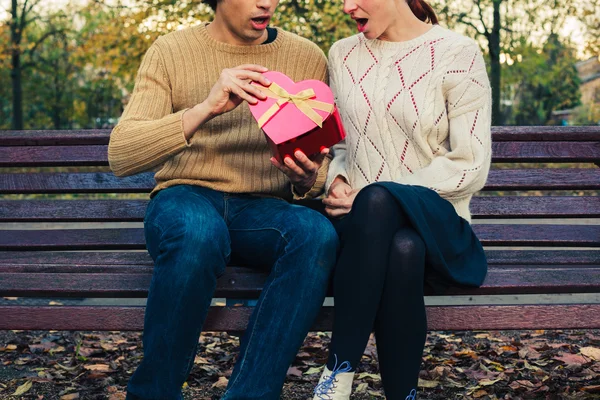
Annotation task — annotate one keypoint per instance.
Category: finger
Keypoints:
(243, 95)
(252, 76)
(250, 89)
(331, 202)
(305, 163)
(295, 168)
(251, 67)
(338, 194)
(336, 212)
(278, 164)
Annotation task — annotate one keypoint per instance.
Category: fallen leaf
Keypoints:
(294, 371)
(522, 384)
(572, 359)
(108, 346)
(479, 393)
(70, 369)
(88, 351)
(71, 396)
(24, 388)
(362, 387)
(591, 352)
(427, 384)
(591, 389)
(488, 382)
(313, 370)
(98, 367)
(375, 377)
(221, 383)
(466, 353)
(200, 360)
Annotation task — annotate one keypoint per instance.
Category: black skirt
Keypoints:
(454, 254)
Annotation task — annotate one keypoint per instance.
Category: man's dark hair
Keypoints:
(212, 4)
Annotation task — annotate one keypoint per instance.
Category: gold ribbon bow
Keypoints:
(302, 100)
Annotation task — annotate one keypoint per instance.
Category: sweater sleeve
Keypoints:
(148, 132)
(322, 74)
(337, 166)
(463, 169)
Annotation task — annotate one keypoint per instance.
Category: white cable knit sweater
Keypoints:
(415, 112)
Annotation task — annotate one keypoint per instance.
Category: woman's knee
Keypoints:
(407, 244)
(373, 198)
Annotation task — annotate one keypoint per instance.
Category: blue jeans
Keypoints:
(192, 233)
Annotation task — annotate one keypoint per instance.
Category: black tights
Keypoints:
(378, 284)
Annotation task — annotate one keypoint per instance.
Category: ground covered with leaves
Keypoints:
(460, 365)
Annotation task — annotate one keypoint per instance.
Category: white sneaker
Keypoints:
(336, 384)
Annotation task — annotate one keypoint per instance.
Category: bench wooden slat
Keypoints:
(239, 282)
(538, 235)
(53, 156)
(133, 238)
(72, 210)
(96, 155)
(55, 138)
(92, 182)
(545, 133)
(134, 210)
(232, 319)
(106, 182)
(101, 136)
(544, 179)
(534, 206)
(77, 258)
(543, 257)
(546, 152)
(75, 261)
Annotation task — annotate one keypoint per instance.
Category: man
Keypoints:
(219, 197)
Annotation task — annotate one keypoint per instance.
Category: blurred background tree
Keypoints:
(72, 63)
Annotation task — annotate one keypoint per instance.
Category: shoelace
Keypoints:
(325, 388)
(412, 395)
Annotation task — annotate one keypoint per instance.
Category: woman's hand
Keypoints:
(340, 198)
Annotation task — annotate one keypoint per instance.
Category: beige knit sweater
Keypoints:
(415, 113)
(230, 152)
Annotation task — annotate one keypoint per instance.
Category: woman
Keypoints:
(415, 101)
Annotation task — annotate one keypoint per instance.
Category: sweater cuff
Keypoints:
(333, 175)
(319, 185)
(175, 127)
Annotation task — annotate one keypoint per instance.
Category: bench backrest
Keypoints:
(524, 231)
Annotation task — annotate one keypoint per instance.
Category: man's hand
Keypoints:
(234, 86)
(227, 93)
(302, 170)
(340, 198)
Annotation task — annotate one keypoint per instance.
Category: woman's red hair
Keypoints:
(423, 11)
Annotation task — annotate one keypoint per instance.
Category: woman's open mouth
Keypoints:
(362, 24)
(260, 23)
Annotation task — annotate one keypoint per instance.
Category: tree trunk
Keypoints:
(16, 71)
(495, 78)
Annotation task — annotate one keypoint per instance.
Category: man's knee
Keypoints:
(314, 235)
(189, 226)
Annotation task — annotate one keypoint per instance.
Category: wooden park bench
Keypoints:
(552, 245)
